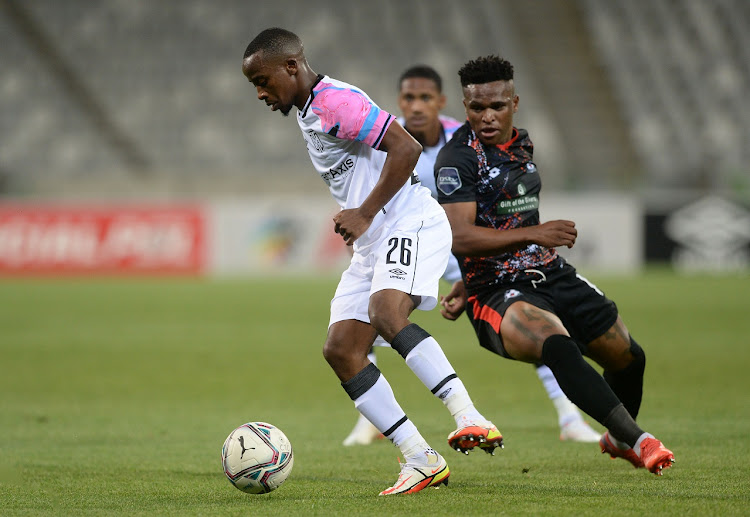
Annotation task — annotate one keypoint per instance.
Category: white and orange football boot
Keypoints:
(470, 434)
(420, 473)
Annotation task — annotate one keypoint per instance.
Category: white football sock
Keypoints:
(413, 448)
(379, 406)
(567, 412)
(428, 362)
(637, 446)
(549, 382)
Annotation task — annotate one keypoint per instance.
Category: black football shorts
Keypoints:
(583, 309)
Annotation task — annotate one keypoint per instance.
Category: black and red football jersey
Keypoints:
(505, 184)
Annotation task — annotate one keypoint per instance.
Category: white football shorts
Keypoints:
(410, 258)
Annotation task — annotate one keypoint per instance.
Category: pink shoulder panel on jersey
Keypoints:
(350, 115)
(449, 124)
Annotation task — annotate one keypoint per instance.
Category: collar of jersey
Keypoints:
(312, 95)
(504, 147)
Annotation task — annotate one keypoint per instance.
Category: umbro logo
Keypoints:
(400, 274)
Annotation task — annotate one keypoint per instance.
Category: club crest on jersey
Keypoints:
(530, 168)
(511, 293)
(314, 140)
(448, 180)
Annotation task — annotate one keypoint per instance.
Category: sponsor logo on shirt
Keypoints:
(448, 180)
(341, 170)
(314, 140)
(519, 204)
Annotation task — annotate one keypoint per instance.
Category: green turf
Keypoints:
(116, 396)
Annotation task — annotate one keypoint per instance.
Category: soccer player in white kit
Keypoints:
(401, 240)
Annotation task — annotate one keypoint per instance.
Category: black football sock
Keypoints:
(621, 425)
(577, 378)
(362, 381)
(587, 389)
(628, 382)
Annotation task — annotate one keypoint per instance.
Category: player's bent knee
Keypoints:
(616, 354)
(521, 340)
(387, 325)
(336, 352)
(389, 311)
(559, 348)
(639, 355)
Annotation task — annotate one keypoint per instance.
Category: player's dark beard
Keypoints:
(285, 110)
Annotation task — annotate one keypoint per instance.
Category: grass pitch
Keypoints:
(116, 396)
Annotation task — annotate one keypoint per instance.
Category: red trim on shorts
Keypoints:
(486, 313)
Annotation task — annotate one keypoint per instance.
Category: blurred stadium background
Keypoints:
(638, 108)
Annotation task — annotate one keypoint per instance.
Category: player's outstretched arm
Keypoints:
(471, 240)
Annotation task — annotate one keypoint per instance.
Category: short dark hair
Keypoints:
(422, 72)
(486, 70)
(275, 42)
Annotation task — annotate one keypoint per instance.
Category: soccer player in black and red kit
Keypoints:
(523, 299)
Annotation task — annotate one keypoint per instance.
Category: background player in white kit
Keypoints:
(421, 100)
(400, 237)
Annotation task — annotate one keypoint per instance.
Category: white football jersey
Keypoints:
(425, 167)
(343, 129)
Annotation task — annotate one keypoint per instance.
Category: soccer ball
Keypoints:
(257, 457)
